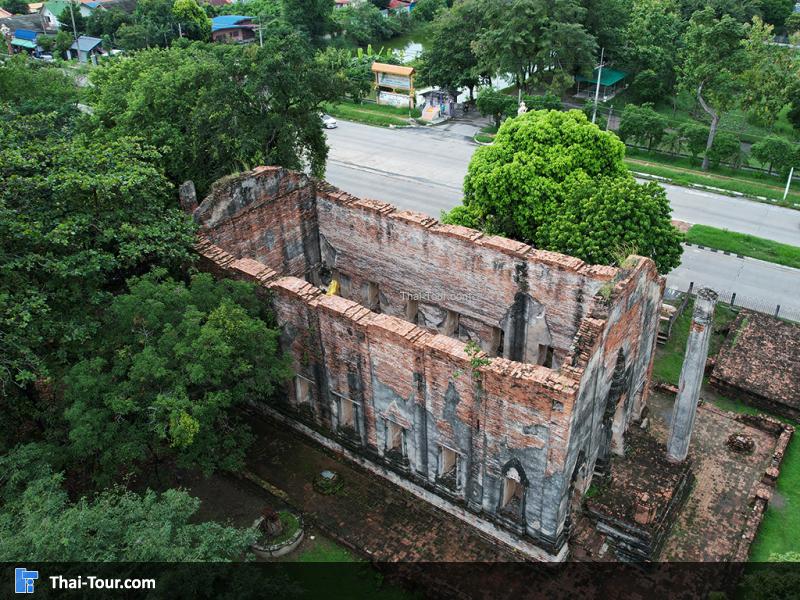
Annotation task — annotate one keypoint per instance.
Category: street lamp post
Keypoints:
(597, 89)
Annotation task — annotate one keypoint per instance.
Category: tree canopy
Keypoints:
(537, 41)
(713, 60)
(557, 181)
(168, 367)
(38, 522)
(214, 109)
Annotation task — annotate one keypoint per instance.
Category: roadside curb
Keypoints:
(725, 252)
(711, 188)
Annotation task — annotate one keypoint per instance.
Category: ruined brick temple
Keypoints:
(489, 378)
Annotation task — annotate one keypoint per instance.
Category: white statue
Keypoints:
(522, 108)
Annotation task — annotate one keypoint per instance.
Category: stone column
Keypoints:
(694, 364)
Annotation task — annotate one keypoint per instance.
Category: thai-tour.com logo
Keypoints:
(24, 582)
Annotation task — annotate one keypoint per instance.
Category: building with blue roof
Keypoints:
(239, 29)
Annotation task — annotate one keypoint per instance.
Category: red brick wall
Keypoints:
(492, 413)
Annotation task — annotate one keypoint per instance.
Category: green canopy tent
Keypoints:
(610, 83)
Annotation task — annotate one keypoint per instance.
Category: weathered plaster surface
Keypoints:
(412, 292)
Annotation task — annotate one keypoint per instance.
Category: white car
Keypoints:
(328, 122)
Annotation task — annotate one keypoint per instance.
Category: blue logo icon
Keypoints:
(23, 580)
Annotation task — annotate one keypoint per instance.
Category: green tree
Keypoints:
(311, 17)
(63, 41)
(775, 152)
(695, 136)
(727, 148)
(362, 23)
(495, 104)
(642, 125)
(426, 10)
(606, 20)
(215, 109)
(46, 42)
(546, 101)
(537, 41)
(194, 22)
(650, 47)
(66, 18)
(776, 12)
(792, 23)
(449, 61)
(770, 73)
(740, 10)
(17, 7)
(557, 181)
(77, 217)
(155, 24)
(713, 59)
(38, 522)
(106, 22)
(171, 366)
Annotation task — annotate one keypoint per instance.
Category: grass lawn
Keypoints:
(780, 530)
(371, 114)
(669, 357)
(747, 245)
(682, 172)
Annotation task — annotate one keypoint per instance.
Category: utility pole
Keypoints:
(597, 88)
(180, 31)
(74, 29)
(610, 112)
(788, 183)
(260, 35)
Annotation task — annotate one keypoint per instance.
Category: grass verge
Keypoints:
(669, 357)
(747, 245)
(753, 187)
(371, 114)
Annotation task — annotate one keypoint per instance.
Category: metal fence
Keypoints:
(762, 305)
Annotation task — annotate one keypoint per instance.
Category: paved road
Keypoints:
(423, 169)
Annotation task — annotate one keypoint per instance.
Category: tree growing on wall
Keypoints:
(713, 59)
(557, 181)
(171, 366)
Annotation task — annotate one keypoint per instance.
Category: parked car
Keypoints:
(328, 122)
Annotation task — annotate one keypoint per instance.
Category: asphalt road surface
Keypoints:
(422, 169)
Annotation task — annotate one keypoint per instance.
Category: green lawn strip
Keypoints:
(745, 244)
(484, 138)
(371, 114)
(683, 176)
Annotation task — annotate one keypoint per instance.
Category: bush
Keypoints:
(547, 101)
(726, 148)
(496, 104)
(641, 125)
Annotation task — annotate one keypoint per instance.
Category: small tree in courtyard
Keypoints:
(495, 104)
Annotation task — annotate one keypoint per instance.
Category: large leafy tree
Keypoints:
(77, 217)
(642, 125)
(38, 521)
(557, 181)
(215, 109)
(170, 367)
(450, 61)
(17, 7)
(771, 73)
(650, 47)
(537, 41)
(713, 59)
(194, 22)
(606, 20)
(311, 17)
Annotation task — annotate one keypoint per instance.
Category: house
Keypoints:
(51, 11)
(233, 28)
(86, 47)
(24, 40)
(401, 5)
(33, 22)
